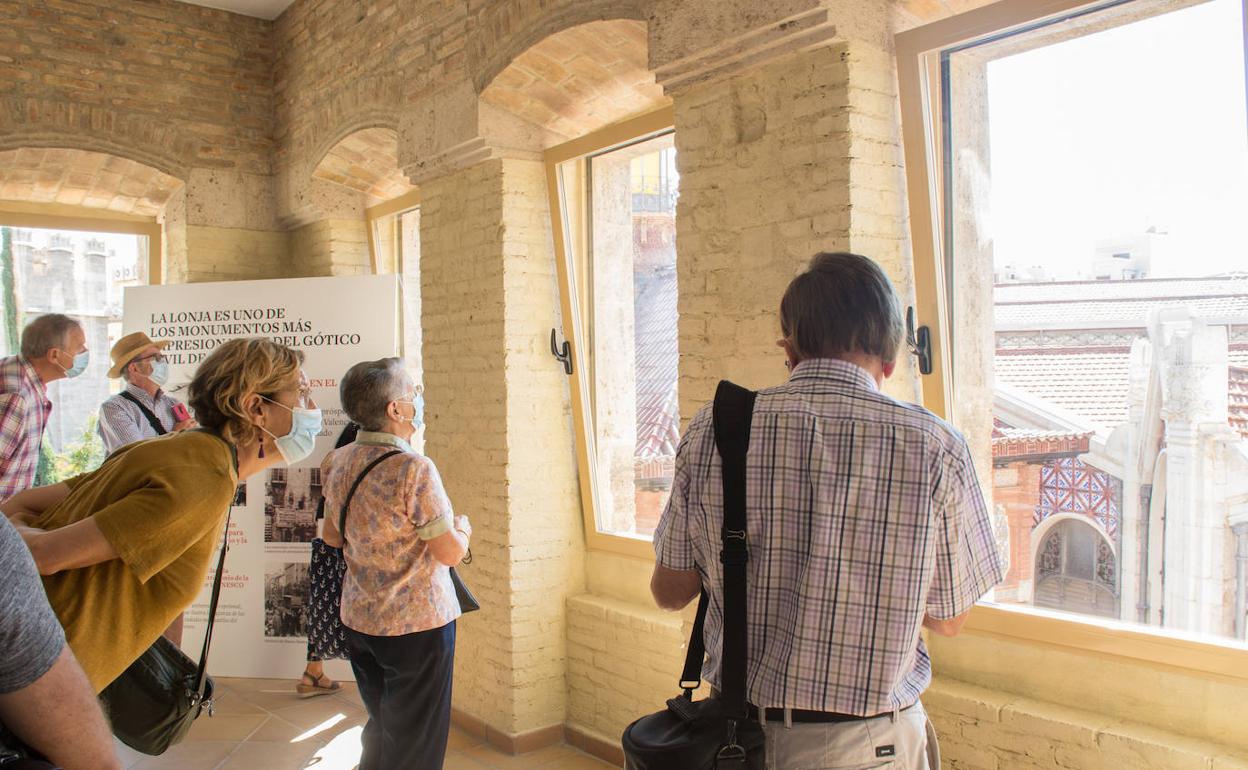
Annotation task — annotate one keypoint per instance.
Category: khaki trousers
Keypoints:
(905, 741)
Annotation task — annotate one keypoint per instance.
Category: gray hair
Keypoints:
(46, 332)
(368, 388)
(842, 304)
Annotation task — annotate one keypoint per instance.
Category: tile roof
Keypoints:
(1149, 288)
(1011, 444)
(1092, 385)
(657, 358)
(1092, 314)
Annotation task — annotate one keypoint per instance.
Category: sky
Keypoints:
(1109, 134)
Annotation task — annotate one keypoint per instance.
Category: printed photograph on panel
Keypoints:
(291, 496)
(285, 599)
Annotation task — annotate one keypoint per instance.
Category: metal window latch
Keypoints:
(563, 353)
(920, 342)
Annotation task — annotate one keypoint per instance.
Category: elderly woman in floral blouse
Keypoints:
(398, 602)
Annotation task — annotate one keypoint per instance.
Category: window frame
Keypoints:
(394, 208)
(53, 216)
(626, 132)
(919, 85)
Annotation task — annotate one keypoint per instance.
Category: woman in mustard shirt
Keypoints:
(125, 549)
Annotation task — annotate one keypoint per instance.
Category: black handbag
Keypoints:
(716, 733)
(154, 702)
(16, 755)
(326, 633)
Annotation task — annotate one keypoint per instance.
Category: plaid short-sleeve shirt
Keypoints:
(863, 515)
(24, 410)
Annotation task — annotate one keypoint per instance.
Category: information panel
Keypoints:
(336, 322)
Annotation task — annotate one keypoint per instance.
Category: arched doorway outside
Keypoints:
(1076, 569)
(76, 228)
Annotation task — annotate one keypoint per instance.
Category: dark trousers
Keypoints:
(405, 683)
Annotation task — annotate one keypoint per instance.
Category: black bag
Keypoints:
(326, 633)
(715, 733)
(154, 702)
(16, 755)
(467, 602)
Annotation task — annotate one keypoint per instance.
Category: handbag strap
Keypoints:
(342, 515)
(151, 417)
(732, 414)
(201, 674)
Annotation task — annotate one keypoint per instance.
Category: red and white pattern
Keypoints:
(1069, 485)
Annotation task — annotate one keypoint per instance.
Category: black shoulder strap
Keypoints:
(151, 418)
(733, 412)
(342, 516)
(201, 675)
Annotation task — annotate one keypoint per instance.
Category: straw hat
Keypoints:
(128, 347)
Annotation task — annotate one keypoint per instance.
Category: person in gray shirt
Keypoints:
(45, 699)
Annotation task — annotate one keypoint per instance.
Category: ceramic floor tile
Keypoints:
(275, 755)
(492, 757)
(315, 712)
(458, 760)
(459, 739)
(225, 727)
(190, 755)
(128, 756)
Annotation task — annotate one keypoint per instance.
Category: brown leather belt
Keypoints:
(814, 717)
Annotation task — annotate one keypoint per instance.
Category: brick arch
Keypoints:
(363, 118)
(84, 178)
(43, 124)
(580, 79)
(508, 29)
(366, 161)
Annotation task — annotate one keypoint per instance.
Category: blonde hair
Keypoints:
(235, 370)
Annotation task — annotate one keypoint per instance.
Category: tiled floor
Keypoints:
(260, 724)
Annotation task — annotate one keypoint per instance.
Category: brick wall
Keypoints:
(465, 403)
(174, 86)
(500, 430)
(777, 164)
(983, 729)
(330, 247)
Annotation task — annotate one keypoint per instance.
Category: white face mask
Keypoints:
(159, 373)
(299, 443)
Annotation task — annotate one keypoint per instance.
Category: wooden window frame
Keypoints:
(919, 83)
(52, 216)
(596, 143)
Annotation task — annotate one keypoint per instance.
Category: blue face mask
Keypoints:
(299, 443)
(160, 372)
(80, 364)
(418, 410)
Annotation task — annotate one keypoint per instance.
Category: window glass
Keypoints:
(619, 216)
(1094, 196)
(80, 274)
(409, 269)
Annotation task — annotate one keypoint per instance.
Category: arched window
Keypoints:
(1077, 570)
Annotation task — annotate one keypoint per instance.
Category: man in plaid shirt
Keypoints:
(54, 346)
(865, 523)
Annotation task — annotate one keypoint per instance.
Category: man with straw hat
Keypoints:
(141, 410)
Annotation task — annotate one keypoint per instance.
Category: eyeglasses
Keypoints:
(158, 358)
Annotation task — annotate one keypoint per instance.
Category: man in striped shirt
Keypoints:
(53, 347)
(865, 523)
